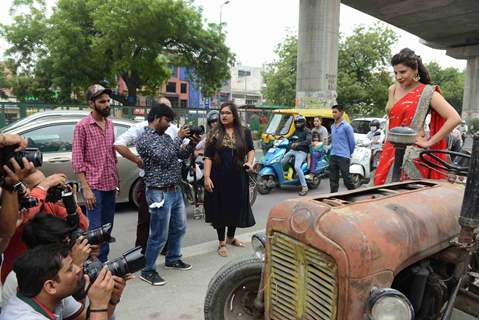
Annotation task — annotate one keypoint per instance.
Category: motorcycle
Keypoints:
(271, 174)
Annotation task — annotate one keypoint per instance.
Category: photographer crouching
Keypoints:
(45, 229)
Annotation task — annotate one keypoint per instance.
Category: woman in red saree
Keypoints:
(410, 99)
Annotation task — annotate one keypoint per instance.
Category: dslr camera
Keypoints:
(33, 155)
(196, 130)
(129, 262)
(96, 236)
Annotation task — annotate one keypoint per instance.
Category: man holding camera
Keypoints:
(47, 279)
(94, 161)
(160, 155)
(122, 144)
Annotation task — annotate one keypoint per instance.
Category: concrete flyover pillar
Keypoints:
(470, 104)
(317, 65)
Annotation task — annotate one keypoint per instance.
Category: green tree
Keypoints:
(451, 82)
(363, 70)
(86, 41)
(280, 76)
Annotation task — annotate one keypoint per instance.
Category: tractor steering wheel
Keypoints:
(444, 165)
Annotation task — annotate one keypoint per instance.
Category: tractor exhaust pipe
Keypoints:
(400, 138)
(469, 219)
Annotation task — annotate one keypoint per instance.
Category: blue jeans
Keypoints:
(299, 158)
(102, 213)
(167, 221)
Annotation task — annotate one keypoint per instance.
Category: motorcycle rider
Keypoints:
(299, 150)
(376, 136)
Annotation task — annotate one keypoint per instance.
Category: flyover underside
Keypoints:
(441, 23)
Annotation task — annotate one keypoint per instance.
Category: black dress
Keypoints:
(228, 205)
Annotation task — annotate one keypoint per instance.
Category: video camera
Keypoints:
(129, 262)
(96, 236)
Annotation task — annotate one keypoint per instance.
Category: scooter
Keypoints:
(363, 162)
(271, 172)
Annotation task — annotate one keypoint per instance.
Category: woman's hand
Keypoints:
(209, 184)
(423, 142)
(248, 166)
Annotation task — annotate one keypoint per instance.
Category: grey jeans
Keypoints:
(299, 158)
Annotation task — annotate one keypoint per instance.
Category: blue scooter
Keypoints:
(271, 172)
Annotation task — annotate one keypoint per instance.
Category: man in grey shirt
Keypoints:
(322, 131)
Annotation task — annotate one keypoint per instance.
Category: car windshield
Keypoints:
(360, 126)
(279, 124)
(15, 124)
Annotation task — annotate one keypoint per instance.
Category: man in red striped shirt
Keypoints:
(94, 161)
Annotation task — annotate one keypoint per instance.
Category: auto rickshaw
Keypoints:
(281, 123)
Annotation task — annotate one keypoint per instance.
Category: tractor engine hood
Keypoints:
(377, 229)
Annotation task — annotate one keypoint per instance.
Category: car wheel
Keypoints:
(133, 191)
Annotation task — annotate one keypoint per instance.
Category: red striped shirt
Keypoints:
(94, 155)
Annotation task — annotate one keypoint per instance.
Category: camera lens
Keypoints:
(99, 235)
(129, 262)
(33, 155)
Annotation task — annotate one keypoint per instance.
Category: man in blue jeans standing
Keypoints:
(94, 161)
(342, 147)
(160, 155)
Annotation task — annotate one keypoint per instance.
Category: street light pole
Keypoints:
(221, 12)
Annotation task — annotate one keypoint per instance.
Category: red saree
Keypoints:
(402, 114)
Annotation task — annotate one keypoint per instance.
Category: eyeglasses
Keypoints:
(226, 113)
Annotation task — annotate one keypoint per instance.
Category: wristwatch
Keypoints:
(17, 187)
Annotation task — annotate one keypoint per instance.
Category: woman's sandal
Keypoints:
(222, 250)
(235, 242)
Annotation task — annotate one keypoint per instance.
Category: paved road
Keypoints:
(182, 297)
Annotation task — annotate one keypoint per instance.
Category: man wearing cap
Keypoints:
(94, 161)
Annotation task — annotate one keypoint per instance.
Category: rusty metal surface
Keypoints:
(372, 234)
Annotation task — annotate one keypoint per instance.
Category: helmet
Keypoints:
(212, 116)
(300, 118)
(374, 123)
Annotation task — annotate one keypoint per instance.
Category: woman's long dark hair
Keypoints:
(408, 58)
(217, 136)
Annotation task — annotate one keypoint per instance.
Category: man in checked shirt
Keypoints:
(94, 161)
(160, 154)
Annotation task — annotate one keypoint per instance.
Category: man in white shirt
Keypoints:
(121, 145)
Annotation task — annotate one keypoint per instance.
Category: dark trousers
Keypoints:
(221, 231)
(336, 165)
(143, 226)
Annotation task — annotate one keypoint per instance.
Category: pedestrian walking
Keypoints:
(342, 147)
(160, 155)
(122, 143)
(94, 161)
(229, 155)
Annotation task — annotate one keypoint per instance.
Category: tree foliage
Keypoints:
(451, 82)
(280, 76)
(87, 41)
(363, 70)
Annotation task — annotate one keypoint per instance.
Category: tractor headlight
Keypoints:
(389, 304)
(258, 242)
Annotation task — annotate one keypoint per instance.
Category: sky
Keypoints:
(255, 27)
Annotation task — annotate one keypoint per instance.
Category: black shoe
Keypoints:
(178, 265)
(152, 278)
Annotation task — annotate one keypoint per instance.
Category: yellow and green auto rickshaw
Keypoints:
(281, 123)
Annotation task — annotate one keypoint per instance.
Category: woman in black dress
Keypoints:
(229, 154)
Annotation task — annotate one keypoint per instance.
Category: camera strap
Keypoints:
(37, 306)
